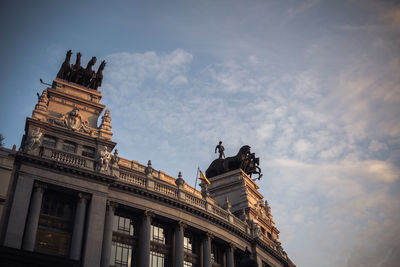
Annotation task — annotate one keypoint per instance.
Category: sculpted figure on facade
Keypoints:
(103, 160)
(106, 121)
(220, 149)
(73, 120)
(76, 70)
(34, 140)
(43, 100)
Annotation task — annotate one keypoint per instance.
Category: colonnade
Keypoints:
(144, 234)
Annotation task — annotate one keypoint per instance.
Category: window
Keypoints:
(69, 146)
(157, 259)
(187, 264)
(216, 254)
(188, 244)
(269, 235)
(49, 141)
(55, 224)
(88, 151)
(157, 234)
(123, 225)
(121, 255)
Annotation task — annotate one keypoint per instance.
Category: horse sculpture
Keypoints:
(65, 69)
(76, 70)
(97, 80)
(88, 73)
(243, 160)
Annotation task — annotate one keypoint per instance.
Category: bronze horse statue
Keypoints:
(98, 78)
(76, 70)
(243, 160)
(88, 73)
(65, 69)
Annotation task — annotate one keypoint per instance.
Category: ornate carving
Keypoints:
(43, 100)
(182, 224)
(179, 182)
(34, 140)
(73, 120)
(243, 160)
(268, 210)
(40, 186)
(106, 121)
(103, 160)
(149, 169)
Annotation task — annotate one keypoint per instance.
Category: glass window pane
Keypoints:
(112, 258)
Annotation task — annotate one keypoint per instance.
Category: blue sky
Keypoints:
(312, 86)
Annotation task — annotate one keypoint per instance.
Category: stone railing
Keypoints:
(67, 158)
(131, 179)
(195, 201)
(165, 189)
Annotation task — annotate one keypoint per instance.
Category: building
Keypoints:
(66, 200)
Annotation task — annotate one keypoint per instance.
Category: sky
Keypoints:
(312, 86)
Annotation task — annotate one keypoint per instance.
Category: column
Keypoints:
(207, 250)
(144, 239)
(107, 236)
(79, 224)
(179, 240)
(33, 217)
(95, 230)
(230, 255)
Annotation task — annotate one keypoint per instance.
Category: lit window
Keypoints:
(121, 255)
(157, 234)
(123, 225)
(157, 259)
(69, 146)
(188, 244)
(55, 224)
(187, 264)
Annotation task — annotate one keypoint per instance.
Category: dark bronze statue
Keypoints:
(65, 69)
(244, 160)
(220, 149)
(88, 73)
(76, 70)
(98, 78)
(79, 75)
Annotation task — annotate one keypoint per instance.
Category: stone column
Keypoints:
(33, 217)
(230, 255)
(179, 240)
(144, 239)
(107, 236)
(207, 250)
(79, 224)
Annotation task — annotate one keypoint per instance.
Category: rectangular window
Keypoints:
(188, 244)
(187, 264)
(264, 264)
(49, 141)
(157, 259)
(123, 225)
(216, 253)
(55, 224)
(121, 255)
(157, 234)
(69, 146)
(88, 151)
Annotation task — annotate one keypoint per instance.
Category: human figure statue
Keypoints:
(220, 149)
(104, 160)
(34, 140)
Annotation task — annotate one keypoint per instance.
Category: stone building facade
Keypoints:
(67, 200)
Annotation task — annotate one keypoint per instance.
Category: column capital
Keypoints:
(209, 235)
(182, 224)
(40, 186)
(112, 205)
(83, 196)
(231, 246)
(149, 213)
